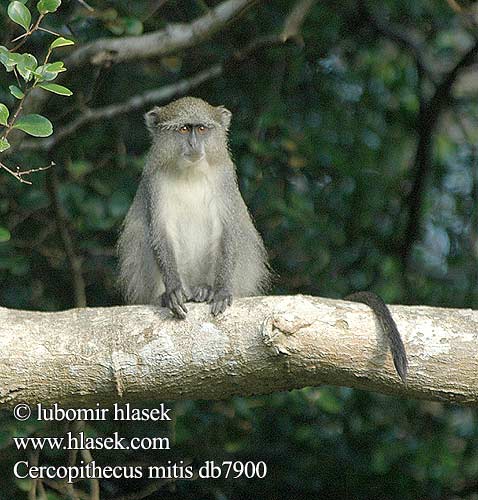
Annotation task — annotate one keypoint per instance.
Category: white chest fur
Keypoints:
(189, 206)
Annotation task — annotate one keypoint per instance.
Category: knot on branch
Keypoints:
(276, 329)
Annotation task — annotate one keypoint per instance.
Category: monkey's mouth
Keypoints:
(194, 157)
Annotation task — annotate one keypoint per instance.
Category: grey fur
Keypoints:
(188, 234)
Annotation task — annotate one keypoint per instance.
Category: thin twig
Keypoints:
(49, 31)
(86, 6)
(19, 174)
(28, 33)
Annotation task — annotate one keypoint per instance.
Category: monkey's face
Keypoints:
(193, 140)
(189, 133)
(192, 145)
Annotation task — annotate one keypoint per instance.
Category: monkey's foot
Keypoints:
(175, 300)
(202, 293)
(221, 299)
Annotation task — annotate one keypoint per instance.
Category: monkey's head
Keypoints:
(189, 131)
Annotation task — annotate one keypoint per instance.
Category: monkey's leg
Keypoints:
(388, 325)
(202, 293)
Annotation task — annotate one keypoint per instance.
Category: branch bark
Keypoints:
(260, 345)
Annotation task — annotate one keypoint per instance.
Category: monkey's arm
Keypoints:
(174, 296)
(388, 325)
(222, 290)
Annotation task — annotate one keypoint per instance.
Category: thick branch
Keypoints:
(159, 43)
(260, 345)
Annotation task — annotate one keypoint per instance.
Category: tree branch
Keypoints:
(401, 38)
(427, 121)
(296, 18)
(159, 43)
(260, 345)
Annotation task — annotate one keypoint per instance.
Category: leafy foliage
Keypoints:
(33, 75)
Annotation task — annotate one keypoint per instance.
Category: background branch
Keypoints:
(136, 102)
(403, 39)
(429, 115)
(173, 38)
(292, 26)
(159, 43)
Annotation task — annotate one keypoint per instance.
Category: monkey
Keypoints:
(188, 235)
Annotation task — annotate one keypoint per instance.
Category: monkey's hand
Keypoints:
(175, 300)
(202, 293)
(220, 300)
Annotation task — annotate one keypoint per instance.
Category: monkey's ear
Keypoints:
(152, 118)
(225, 116)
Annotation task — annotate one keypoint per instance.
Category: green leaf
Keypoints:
(4, 144)
(26, 66)
(20, 14)
(49, 71)
(4, 114)
(4, 55)
(57, 66)
(61, 42)
(35, 125)
(9, 59)
(57, 89)
(45, 6)
(4, 234)
(16, 92)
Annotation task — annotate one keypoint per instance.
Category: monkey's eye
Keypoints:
(201, 129)
(184, 129)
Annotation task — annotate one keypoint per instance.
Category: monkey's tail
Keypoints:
(388, 325)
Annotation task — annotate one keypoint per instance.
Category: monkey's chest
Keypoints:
(193, 227)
